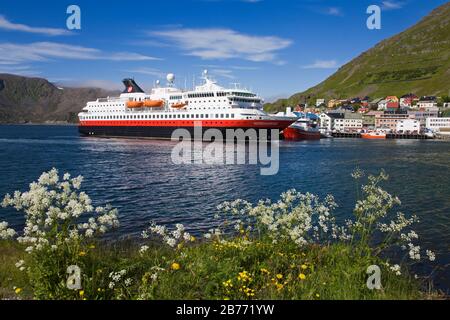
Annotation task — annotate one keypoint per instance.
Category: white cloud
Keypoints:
(23, 70)
(322, 64)
(392, 5)
(333, 11)
(5, 24)
(11, 53)
(214, 43)
(148, 71)
(224, 73)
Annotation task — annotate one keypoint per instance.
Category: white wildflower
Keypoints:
(431, 255)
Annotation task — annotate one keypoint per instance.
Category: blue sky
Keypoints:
(273, 47)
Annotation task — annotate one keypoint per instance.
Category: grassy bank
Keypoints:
(289, 249)
(236, 270)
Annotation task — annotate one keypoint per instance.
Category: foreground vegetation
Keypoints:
(290, 249)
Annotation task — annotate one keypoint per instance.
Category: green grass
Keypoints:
(211, 270)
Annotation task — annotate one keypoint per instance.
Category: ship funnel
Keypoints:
(131, 86)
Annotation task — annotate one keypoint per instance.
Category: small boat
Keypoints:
(373, 135)
(135, 104)
(179, 105)
(153, 103)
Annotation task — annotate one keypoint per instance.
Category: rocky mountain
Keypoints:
(36, 100)
(416, 60)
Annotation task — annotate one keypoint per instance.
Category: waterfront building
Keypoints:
(349, 122)
(369, 119)
(441, 125)
(422, 116)
(326, 122)
(408, 126)
(388, 120)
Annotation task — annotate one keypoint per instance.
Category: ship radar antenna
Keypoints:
(170, 78)
(205, 74)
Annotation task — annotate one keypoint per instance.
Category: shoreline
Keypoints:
(40, 124)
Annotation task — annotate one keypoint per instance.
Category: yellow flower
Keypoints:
(304, 266)
(91, 246)
(279, 276)
(180, 246)
(317, 295)
(82, 253)
(18, 290)
(175, 266)
(302, 276)
(81, 292)
(192, 238)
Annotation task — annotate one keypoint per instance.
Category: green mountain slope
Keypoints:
(36, 100)
(416, 60)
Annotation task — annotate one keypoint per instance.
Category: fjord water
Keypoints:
(139, 178)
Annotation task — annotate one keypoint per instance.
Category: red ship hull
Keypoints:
(163, 129)
(298, 134)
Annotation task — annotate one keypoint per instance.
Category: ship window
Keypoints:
(221, 115)
(227, 115)
(232, 115)
(206, 116)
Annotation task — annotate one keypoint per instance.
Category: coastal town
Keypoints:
(409, 115)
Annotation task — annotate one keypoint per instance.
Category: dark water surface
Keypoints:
(138, 178)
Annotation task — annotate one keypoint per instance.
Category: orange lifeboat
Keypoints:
(153, 103)
(135, 104)
(179, 105)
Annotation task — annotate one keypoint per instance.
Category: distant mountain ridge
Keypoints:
(36, 100)
(416, 60)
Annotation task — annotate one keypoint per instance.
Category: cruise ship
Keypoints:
(156, 115)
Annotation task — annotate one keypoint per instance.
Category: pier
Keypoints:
(346, 135)
(407, 136)
(388, 136)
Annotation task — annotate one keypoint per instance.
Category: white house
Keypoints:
(382, 105)
(326, 122)
(427, 103)
(408, 126)
(441, 125)
(320, 102)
